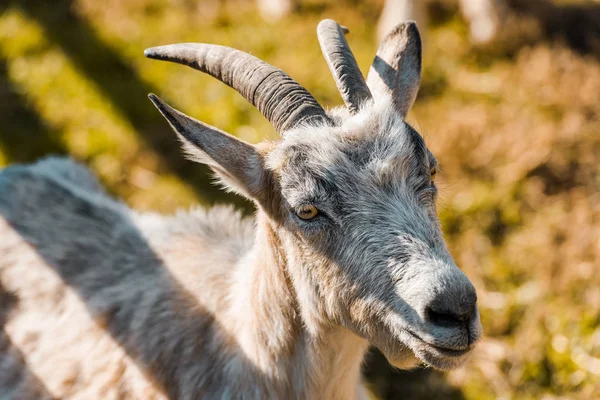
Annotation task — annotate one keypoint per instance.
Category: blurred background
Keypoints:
(510, 106)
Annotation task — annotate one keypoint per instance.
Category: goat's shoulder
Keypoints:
(59, 204)
(51, 171)
(60, 210)
(56, 196)
(28, 187)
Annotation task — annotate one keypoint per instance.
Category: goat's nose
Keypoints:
(453, 312)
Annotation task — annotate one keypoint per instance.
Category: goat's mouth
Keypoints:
(438, 356)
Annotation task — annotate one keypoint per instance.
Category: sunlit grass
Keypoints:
(516, 133)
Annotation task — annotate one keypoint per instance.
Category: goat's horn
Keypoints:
(343, 67)
(282, 100)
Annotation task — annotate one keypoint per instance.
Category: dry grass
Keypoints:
(516, 127)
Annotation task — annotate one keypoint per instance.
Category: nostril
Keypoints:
(448, 318)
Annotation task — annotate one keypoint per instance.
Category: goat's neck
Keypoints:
(279, 332)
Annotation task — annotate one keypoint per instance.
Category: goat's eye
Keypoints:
(307, 211)
(433, 173)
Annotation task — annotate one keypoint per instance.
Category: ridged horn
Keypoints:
(342, 64)
(282, 100)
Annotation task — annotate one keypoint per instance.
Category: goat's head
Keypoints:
(349, 194)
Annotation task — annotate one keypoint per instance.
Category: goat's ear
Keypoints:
(238, 164)
(396, 70)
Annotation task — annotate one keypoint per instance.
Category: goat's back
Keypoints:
(96, 300)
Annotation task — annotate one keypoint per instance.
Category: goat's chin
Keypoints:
(408, 361)
(399, 355)
(440, 358)
(417, 353)
(441, 362)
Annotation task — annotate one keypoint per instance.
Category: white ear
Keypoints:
(396, 70)
(237, 163)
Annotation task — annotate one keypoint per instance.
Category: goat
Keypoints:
(345, 250)
(484, 17)
(397, 11)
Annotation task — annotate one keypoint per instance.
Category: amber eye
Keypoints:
(307, 212)
(432, 173)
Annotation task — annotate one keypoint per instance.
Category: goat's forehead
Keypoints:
(369, 140)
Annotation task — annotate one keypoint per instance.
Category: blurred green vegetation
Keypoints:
(516, 127)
